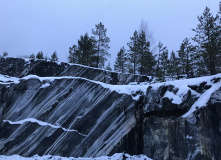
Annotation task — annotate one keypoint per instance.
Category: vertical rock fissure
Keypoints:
(139, 116)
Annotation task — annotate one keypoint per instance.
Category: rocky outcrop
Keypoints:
(79, 116)
(175, 122)
(71, 117)
(195, 137)
(18, 67)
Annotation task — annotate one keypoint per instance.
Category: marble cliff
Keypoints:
(49, 108)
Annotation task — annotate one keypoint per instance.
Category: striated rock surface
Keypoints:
(63, 114)
(18, 67)
(71, 117)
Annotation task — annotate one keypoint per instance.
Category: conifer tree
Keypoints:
(102, 44)
(181, 53)
(54, 56)
(146, 58)
(108, 67)
(185, 54)
(139, 53)
(208, 38)
(164, 61)
(86, 49)
(40, 55)
(143, 50)
(159, 68)
(129, 67)
(133, 50)
(121, 61)
(84, 52)
(5, 54)
(73, 54)
(173, 67)
(32, 56)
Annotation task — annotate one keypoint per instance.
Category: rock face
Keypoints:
(197, 136)
(18, 67)
(70, 116)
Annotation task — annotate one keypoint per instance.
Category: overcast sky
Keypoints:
(29, 26)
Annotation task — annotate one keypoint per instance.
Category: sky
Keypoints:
(30, 26)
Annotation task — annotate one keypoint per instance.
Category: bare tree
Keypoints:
(149, 35)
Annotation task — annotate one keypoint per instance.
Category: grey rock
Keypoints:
(18, 67)
(80, 118)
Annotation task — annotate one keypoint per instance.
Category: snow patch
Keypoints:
(189, 137)
(183, 88)
(116, 156)
(41, 123)
(121, 89)
(45, 85)
(4, 79)
(203, 99)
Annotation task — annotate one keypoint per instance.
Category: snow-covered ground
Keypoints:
(117, 156)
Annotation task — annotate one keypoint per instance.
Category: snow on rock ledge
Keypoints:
(189, 95)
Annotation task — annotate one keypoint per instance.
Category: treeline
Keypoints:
(199, 55)
(40, 55)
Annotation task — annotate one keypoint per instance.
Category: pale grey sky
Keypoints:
(29, 26)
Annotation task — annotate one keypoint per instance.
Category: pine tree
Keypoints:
(40, 55)
(32, 56)
(146, 58)
(185, 54)
(173, 67)
(130, 67)
(102, 44)
(133, 50)
(84, 52)
(181, 53)
(164, 61)
(108, 67)
(139, 53)
(208, 38)
(149, 63)
(73, 54)
(54, 56)
(159, 68)
(5, 54)
(120, 63)
(143, 50)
